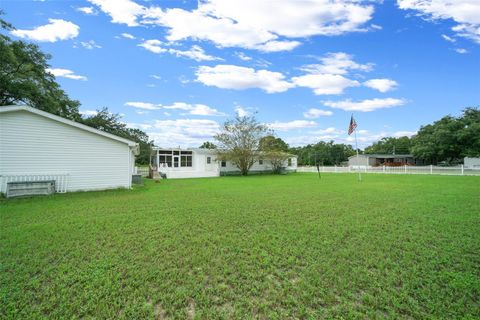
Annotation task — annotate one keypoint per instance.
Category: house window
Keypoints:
(166, 159)
(289, 162)
(175, 158)
(224, 164)
(185, 161)
(209, 160)
(260, 161)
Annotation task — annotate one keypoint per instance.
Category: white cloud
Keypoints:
(294, 124)
(365, 105)
(55, 30)
(325, 83)
(196, 53)
(449, 39)
(382, 85)
(243, 56)
(128, 36)
(90, 44)
(275, 46)
(250, 23)
(195, 109)
(182, 132)
(154, 76)
(316, 113)
(329, 131)
(337, 63)
(466, 13)
(87, 10)
(65, 73)
(461, 50)
(153, 45)
(121, 11)
(143, 105)
(239, 78)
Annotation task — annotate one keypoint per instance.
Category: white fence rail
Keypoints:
(459, 171)
(61, 180)
(144, 171)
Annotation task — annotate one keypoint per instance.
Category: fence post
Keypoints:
(383, 168)
(462, 170)
(431, 169)
(405, 168)
(335, 168)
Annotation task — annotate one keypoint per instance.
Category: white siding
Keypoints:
(33, 144)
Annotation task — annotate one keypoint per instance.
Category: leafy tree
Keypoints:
(239, 141)
(449, 139)
(469, 136)
(208, 145)
(24, 78)
(111, 123)
(275, 150)
(390, 145)
(324, 153)
(272, 143)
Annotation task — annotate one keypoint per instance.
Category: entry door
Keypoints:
(176, 161)
(208, 163)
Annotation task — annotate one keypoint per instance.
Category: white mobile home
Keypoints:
(197, 163)
(37, 145)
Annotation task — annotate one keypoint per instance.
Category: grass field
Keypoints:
(393, 246)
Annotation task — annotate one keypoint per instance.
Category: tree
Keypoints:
(208, 145)
(111, 122)
(239, 141)
(323, 153)
(449, 139)
(271, 143)
(391, 145)
(24, 78)
(275, 150)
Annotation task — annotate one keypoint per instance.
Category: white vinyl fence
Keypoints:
(459, 170)
(144, 171)
(61, 180)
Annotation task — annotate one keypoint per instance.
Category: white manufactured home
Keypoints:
(36, 145)
(201, 163)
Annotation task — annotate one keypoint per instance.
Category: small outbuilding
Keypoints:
(471, 163)
(39, 146)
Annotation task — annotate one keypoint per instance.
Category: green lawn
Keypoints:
(393, 246)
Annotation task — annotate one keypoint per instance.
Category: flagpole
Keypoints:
(358, 160)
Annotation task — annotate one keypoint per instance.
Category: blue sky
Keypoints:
(179, 69)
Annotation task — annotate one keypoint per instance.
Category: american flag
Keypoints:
(352, 126)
